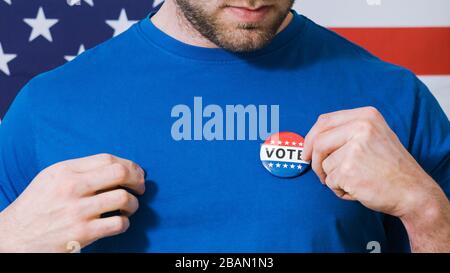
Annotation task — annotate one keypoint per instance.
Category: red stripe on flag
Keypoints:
(426, 51)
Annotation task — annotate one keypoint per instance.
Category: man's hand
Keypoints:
(65, 201)
(357, 155)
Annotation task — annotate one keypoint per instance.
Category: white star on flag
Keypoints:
(71, 57)
(4, 60)
(286, 143)
(8, 2)
(157, 2)
(78, 2)
(278, 165)
(121, 24)
(89, 2)
(285, 166)
(270, 165)
(292, 166)
(41, 26)
(299, 167)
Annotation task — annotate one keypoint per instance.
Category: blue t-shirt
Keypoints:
(215, 195)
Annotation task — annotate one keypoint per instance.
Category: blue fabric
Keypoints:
(215, 196)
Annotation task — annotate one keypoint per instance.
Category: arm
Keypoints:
(428, 222)
(357, 155)
(63, 204)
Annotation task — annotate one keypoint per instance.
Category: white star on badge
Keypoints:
(285, 166)
(270, 165)
(8, 2)
(121, 24)
(294, 143)
(299, 167)
(278, 165)
(286, 143)
(41, 26)
(272, 142)
(70, 57)
(279, 142)
(4, 60)
(300, 144)
(292, 166)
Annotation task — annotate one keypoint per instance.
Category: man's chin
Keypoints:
(245, 40)
(244, 47)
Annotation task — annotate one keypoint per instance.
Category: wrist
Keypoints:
(421, 196)
(427, 218)
(423, 201)
(8, 239)
(425, 212)
(5, 244)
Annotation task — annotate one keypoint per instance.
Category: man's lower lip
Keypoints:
(249, 15)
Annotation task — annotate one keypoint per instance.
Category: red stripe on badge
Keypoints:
(425, 51)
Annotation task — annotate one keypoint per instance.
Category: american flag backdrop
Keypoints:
(412, 33)
(38, 35)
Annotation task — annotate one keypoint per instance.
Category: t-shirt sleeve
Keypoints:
(17, 154)
(429, 144)
(430, 138)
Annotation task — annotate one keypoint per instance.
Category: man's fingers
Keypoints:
(125, 174)
(325, 144)
(332, 161)
(89, 163)
(107, 227)
(324, 122)
(331, 120)
(112, 201)
(334, 183)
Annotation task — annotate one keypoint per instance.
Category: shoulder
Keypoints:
(356, 67)
(352, 72)
(331, 48)
(91, 68)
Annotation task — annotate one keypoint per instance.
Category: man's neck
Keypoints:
(182, 30)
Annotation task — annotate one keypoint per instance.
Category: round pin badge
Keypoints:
(281, 154)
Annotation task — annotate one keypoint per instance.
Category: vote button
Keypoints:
(281, 154)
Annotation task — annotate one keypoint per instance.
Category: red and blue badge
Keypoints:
(281, 155)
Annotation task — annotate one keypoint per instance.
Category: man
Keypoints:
(76, 141)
